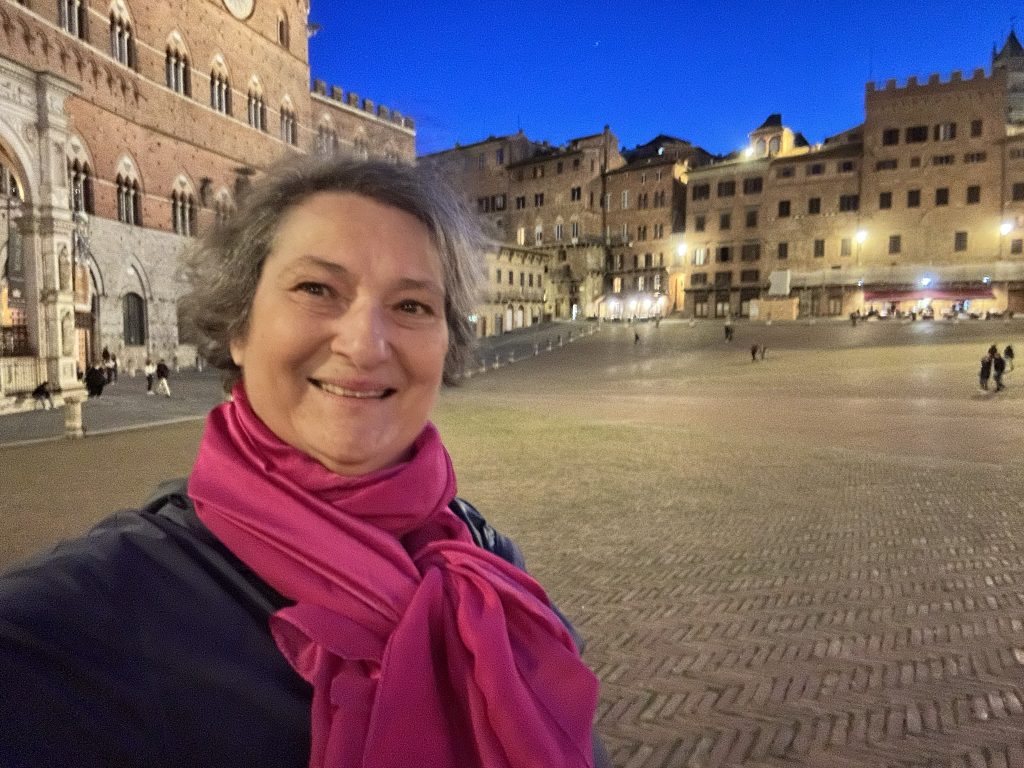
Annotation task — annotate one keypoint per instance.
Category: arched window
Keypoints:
(282, 29)
(760, 148)
(177, 71)
(80, 186)
(220, 87)
(326, 137)
(222, 207)
(134, 309)
(129, 200)
(183, 212)
(72, 16)
(289, 126)
(122, 41)
(257, 107)
(773, 146)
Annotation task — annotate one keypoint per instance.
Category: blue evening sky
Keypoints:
(709, 72)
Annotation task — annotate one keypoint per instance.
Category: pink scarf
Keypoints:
(422, 648)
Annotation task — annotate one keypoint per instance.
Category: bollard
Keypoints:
(73, 417)
(536, 349)
(559, 339)
(570, 337)
(549, 345)
(511, 357)
(497, 362)
(483, 366)
(468, 373)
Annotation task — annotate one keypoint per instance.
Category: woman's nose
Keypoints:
(361, 335)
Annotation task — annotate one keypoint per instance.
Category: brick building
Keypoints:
(127, 128)
(920, 208)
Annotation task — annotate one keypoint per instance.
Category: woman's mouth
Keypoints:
(360, 393)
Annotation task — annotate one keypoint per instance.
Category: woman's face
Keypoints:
(347, 334)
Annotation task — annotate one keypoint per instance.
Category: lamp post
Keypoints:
(860, 236)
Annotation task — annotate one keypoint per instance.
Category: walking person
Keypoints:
(113, 366)
(1008, 354)
(728, 328)
(998, 368)
(753, 353)
(42, 395)
(150, 371)
(162, 372)
(985, 373)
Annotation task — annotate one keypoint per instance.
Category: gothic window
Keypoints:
(282, 30)
(129, 200)
(257, 107)
(177, 72)
(122, 41)
(72, 15)
(222, 207)
(183, 213)
(289, 127)
(220, 88)
(134, 309)
(326, 138)
(80, 186)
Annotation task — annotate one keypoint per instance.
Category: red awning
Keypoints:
(948, 294)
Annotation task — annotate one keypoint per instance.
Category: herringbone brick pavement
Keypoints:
(815, 560)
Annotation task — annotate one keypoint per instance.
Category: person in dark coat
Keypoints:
(42, 395)
(1008, 354)
(315, 588)
(985, 373)
(95, 380)
(162, 372)
(998, 368)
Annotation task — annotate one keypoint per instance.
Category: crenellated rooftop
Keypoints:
(353, 101)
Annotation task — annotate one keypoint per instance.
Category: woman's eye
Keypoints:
(415, 308)
(313, 289)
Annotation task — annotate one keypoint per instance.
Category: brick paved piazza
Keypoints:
(813, 560)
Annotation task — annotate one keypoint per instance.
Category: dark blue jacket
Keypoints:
(145, 643)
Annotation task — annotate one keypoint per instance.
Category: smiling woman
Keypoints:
(316, 595)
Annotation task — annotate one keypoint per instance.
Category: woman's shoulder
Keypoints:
(485, 536)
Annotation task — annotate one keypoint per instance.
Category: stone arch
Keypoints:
(127, 168)
(17, 157)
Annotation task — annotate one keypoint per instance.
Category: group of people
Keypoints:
(993, 366)
(161, 373)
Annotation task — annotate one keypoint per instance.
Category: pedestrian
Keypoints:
(998, 368)
(162, 372)
(992, 350)
(1008, 354)
(42, 396)
(114, 366)
(150, 371)
(753, 353)
(728, 328)
(985, 373)
(105, 366)
(636, 337)
(95, 380)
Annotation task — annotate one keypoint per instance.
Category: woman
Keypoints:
(317, 595)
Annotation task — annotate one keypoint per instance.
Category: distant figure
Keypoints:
(728, 329)
(992, 350)
(985, 373)
(853, 319)
(1008, 354)
(998, 368)
(114, 366)
(150, 371)
(162, 372)
(762, 351)
(753, 353)
(95, 379)
(107, 366)
(657, 321)
(636, 337)
(42, 396)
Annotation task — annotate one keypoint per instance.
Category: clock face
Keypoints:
(240, 9)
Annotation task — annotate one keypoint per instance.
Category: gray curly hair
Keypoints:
(224, 266)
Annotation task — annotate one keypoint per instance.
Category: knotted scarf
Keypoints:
(422, 648)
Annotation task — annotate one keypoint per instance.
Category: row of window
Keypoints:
(618, 261)
(73, 18)
(725, 278)
(184, 211)
(918, 134)
(891, 164)
(538, 233)
(526, 279)
(752, 251)
(642, 283)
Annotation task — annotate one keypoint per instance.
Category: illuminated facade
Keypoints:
(919, 209)
(125, 130)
